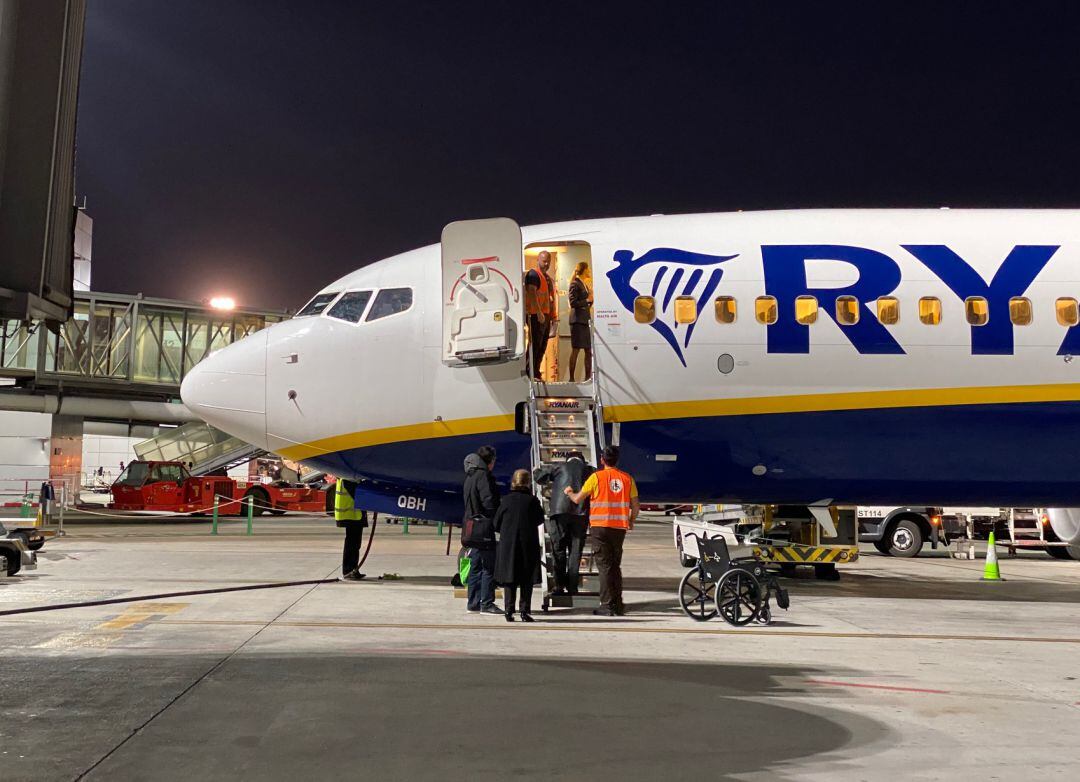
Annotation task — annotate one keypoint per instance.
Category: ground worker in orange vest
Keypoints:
(540, 307)
(613, 507)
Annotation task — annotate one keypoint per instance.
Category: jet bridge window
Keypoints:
(318, 304)
(847, 310)
(1067, 314)
(765, 310)
(888, 310)
(390, 301)
(685, 309)
(806, 310)
(930, 310)
(644, 309)
(726, 309)
(1020, 310)
(976, 310)
(351, 306)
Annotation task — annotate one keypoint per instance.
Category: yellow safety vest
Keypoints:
(344, 508)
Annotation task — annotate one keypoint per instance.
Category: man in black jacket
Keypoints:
(481, 500)
(569, 523)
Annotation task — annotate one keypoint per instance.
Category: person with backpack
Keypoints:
(478, 529)
(517, 555)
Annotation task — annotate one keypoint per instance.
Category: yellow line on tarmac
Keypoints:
(596, 627)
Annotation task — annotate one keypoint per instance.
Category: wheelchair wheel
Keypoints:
(696, 598)
(738, 597)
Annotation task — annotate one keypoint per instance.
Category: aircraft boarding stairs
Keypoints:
(200, 446)
(564, 417)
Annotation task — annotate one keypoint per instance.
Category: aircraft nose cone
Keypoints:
(227, 389)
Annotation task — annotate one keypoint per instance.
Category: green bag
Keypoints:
(464, 564)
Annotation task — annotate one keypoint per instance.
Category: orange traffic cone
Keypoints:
(991, 572)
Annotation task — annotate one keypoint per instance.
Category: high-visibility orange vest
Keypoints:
(544, 301)
(610, 505)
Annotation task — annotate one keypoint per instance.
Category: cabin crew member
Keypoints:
(613, 507)
(481, 502)
(540, 307)
(517, 557)
(353, 520)
(569, 522)
(580, 299)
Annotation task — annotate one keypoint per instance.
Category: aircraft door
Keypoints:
(483, 311)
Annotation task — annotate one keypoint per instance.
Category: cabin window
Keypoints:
(351, 306)
(1020, 310)
(390, 301)
(806, 309)
(765, 309)
(847, 310)
(930, 310)
(644, 309)
(726, 309)
(685, 309)
(888, 310)
(1067, 314)
(317, 305)
(976, 310)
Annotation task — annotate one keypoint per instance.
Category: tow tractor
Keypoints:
(169, 487)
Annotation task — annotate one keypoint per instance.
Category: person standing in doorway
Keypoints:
(540, 307)
(613, 508)
(580, 299)
(478, 528)
(347, 515)
(569, 522)
(517, 556)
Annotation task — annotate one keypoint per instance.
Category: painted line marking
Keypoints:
(877, 687)
(587, 627)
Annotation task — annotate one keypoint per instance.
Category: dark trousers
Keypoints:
(511, 592)
(481, 579)
(538, 338)
(350, 555)
(567, 534)
(607, 546)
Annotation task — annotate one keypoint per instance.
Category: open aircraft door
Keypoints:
(483, 318)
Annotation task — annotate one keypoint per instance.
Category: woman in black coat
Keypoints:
(517, 555)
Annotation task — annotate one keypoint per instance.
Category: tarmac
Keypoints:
(903, 669)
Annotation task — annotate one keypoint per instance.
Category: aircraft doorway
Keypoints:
(569, 267)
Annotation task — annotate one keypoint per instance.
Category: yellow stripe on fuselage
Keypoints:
(707, 408)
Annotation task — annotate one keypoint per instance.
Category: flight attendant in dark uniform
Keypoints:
(580, 299)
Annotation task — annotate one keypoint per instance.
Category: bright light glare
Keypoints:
(223, 303)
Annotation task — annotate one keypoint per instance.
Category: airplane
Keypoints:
(799, 356)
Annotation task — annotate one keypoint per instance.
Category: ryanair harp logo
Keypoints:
(665, 273)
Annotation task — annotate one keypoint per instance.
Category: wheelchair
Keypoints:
(738, 589)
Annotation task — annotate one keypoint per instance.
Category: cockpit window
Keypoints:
(317, 305)
(390, 301)
(351, 306)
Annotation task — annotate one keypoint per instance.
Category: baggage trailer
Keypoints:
(168, 487)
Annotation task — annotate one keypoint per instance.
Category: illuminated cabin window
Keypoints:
(930, 310)
(1067, 314)
(685, 309)
(976, 310)
(806, 310)
(765, 309)
(847, 310)
(888, 310)
(644, 309)
(1020, 311)
(726, 309)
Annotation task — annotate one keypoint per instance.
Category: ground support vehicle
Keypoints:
(169, 487)
(903, 531)
(739, 588)
(16, 552)
(790, 536)
(1029, 528)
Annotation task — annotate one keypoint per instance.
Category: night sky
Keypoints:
(265, 148)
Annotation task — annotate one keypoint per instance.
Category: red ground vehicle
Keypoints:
(168, 486)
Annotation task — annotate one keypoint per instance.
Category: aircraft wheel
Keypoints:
(738, 597)
(695, 598)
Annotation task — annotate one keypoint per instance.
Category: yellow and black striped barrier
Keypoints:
(797, 554)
